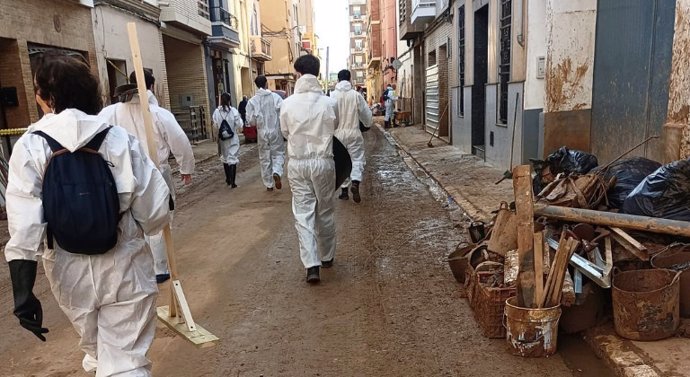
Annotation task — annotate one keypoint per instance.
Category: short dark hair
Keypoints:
(261, 81)
(308, 65)
(344, 75)
(66, 82)
(148, 78)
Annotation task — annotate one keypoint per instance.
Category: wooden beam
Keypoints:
(539, 266)
(184, 325)
(524, 203)
(632, 222)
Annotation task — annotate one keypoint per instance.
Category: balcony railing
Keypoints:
(261, 48)
(220, 14)
(224, 28)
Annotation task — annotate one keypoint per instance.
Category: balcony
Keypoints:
(261, 48)
(224, 29)
(192, 19)
(354, 34)
(423, 11)
(356, 18)
(357, 50)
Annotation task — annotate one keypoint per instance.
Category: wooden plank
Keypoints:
(177, 287)
(628, 238)
(177, 297)
(632, 249)
(200, 337)
(539, 266)
(524, 204)
(621, 220)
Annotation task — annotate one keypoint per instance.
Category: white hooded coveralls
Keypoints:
(389, 104)
(263, 111)
(109, 298)
(308, 120)
(229, 149)
(169, 137)
(352, 109)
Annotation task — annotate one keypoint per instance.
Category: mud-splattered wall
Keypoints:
(570, 41)
(570, 47)
(679, 86)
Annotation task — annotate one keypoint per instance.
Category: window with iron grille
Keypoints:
(203, 8)
(403, 11)
(461, 60)
(504, 64)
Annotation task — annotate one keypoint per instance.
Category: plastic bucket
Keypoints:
(677, 258)
(531, 332)
(646, 304)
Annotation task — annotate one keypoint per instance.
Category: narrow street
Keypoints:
(389, 307)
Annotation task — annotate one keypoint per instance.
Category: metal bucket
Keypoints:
(677, 258)
(645, 304)
(458, 261)
(531, 332)
(477, 231)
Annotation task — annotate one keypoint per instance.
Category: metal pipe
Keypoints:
(633, 222)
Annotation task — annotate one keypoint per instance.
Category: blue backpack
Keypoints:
(80, 200)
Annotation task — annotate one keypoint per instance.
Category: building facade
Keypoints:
(358, 34)
(374, 83)
(113, 53)
(186, 25)
(280, 26)
(28, 28)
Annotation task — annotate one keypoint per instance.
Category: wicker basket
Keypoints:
(489, 304)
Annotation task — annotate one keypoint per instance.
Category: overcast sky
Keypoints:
(332, 27)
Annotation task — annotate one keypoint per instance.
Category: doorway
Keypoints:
(481, 53)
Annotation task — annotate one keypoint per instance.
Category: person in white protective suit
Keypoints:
(352, 109)
(263, 111)
(108, 297)
(390, 97)
(229, 148)
(168, 136)
(308, 120)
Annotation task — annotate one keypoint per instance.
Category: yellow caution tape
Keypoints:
(12, 131)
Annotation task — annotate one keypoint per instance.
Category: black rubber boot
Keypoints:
(343, 194)
(233, 175)
(386, 124)
(313, 275)
(226, 168)
(355, 192)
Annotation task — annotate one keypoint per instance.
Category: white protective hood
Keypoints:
(60, 128)
(352, 109)
(308, 120)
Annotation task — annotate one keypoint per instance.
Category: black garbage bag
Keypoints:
(665, 193)
(343, 162)
(562, 160)
(629, 173)
(569, 161)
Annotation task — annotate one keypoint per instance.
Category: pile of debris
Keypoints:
(575, 231)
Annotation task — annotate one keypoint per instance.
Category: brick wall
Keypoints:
(58, 23)
(10, 64)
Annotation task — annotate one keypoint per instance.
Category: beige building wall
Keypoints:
(58, 23)
(112, 42)
(276, 16)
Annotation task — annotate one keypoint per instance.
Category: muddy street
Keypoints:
(389, 307)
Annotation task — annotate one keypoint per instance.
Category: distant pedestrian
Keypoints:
(168, 137)
(88, 190)
(308, 120)
(242, 108)
(352, 109)
(228, 123)
(263, 112)
(389, 98)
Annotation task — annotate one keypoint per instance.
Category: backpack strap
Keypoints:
(95, 143)
(52, 143)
